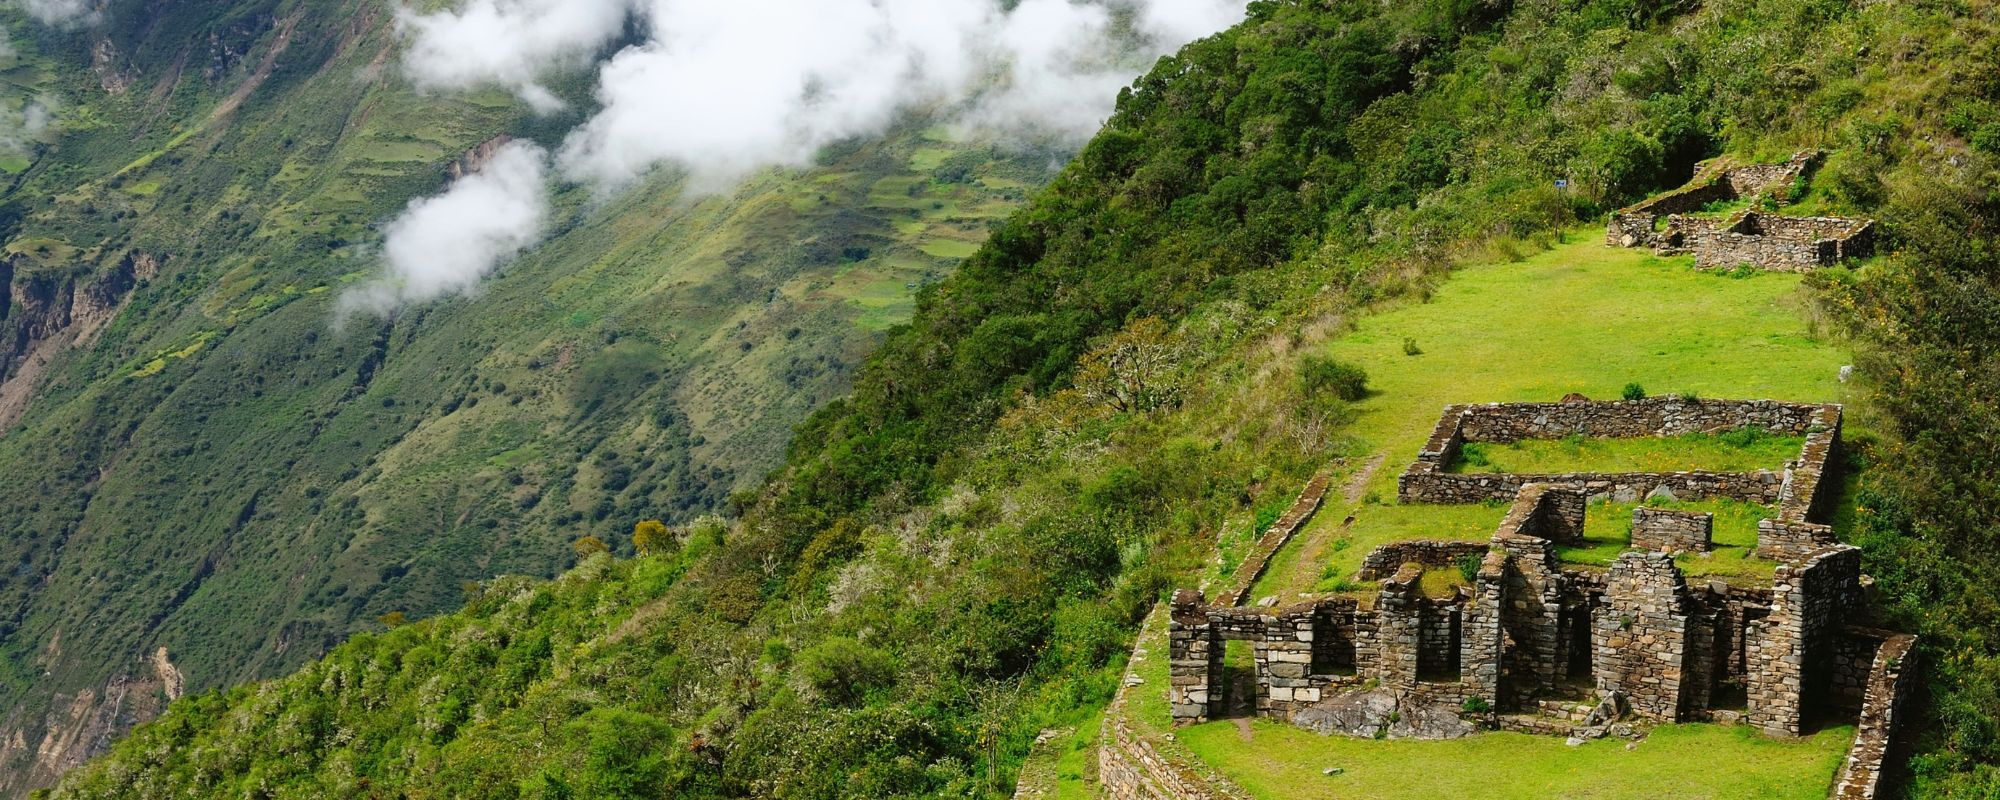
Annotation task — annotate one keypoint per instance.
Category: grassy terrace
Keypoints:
(1274, 760)
(1578, 318)
(1746, 450)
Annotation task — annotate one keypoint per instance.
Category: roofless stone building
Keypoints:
(1539, 645)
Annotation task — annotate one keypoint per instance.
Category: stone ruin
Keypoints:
(1668, 223)
(1536, 645)
(1798, 489)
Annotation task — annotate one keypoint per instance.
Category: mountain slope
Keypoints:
(210, 474)
(956, 555)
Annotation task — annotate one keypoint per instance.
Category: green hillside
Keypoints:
(957, 555)
(209, 459)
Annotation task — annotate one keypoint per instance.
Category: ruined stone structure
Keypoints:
(1797, 490)
(1531, 634)
(1668, 224)
(1665, 531)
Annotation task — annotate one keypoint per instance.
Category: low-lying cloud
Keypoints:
(508, 43)
(22, 128)
(446, 243)
(717, 89)
(59, 12)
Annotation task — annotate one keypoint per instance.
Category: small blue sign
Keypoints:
(1562, 183)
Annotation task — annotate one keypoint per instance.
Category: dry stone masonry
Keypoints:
(1668, 531)
(1797, 490)
(1514, 648)
(1668, 223)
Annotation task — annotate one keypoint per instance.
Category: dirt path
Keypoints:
(1314, 543)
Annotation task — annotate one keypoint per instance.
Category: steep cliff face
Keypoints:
(82, 726)
(44, 314)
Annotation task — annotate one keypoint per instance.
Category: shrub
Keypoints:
(1468, 566)
(1410, 347)
(651, 536)
(1476, 705)
(844, 671)
(1634, 391)
(1320, 377)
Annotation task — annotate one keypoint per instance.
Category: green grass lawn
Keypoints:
(1748, 450)
(1680, 761)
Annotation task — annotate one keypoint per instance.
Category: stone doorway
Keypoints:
(1238, 681)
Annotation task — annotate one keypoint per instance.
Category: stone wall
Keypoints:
(1131, 768)
(1532, 589)
(1670, 531)
(1641, 646)
(1763, 240)
(1438, 625)
(1274, 539)
(1788, 653)
(1761, 487)
(1384, 561)
(1546, 511)
(1637, 225)
(1804, 483)
(1778, 540)
(1481, 635)
(1812, 481)
(1769, 241)
(1878, 738)
(1386, 641)
(1194, 654)
(1504, 423)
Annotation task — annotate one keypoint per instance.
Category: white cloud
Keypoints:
(21, 128)
(59, 12)
(721, 88)
(445, 244)
(509, 43)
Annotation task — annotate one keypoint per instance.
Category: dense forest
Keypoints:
(956, 555)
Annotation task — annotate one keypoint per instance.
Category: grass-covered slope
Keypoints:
(957, 555)
(208, 460)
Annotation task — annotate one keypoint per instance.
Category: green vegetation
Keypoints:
(1747, 450)
(1279, 761)
(975, 531)
(236, 473)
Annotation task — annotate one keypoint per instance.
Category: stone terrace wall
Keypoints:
(1669, 531)
(1130, 768)
(1384, 561)
(1788, 653)
(1642, 635)
(1281, 532)
(1772, 179)
(1877, 738)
